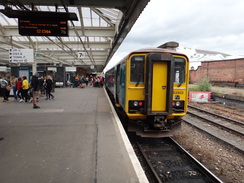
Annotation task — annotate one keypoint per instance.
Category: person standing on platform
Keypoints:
(49, 85)
(41, 87)
(13, 84)
(76, 81)
(3, 85)
(9, 87)
(35, 89)
(19, 89)
(25, 87)
(87, 80)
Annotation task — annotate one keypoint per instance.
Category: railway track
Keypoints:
(230, 111)
(227, 130)
(166, 161)
(230, 102)
(225, 123)
(225, 110)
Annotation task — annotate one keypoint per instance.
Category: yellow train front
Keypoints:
(150, 89)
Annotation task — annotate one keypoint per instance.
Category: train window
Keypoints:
(137, 69)
(179, 71)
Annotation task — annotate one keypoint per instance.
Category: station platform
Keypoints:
(227, 92)
(75, 138)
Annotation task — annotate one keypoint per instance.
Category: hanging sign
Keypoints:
(81, 54)
(43, 27)
(21, 55)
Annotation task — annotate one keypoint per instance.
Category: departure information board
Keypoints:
(43, 27)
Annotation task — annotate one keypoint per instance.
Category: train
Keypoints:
(149, 89)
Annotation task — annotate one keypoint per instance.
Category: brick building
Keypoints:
(227, 72)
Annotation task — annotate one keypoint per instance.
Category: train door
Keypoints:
(118, 89)
(160, 84)
(121, 85)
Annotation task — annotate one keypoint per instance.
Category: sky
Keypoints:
(215, 25)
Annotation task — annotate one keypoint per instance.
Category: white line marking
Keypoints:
(135, 162)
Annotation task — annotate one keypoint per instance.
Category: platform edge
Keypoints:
(134, 160)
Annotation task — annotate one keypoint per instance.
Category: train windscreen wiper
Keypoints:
(179, 84)
(139, 78)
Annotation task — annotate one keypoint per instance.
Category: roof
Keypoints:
(99, 31)
(207, 52)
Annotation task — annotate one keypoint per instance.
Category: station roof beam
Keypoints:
(99, 31)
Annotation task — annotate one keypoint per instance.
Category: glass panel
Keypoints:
(137, 69)
(179, 70)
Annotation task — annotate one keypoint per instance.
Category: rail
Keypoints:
(225, 123)
(165, 160)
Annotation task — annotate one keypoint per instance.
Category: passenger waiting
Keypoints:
(19, 89)
(13, 84)
(48, 85)
(25, 87)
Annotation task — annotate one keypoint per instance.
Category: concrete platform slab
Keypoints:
(71, 139)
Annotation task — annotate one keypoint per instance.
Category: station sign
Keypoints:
(21, 55)
(43, 27)
(3, 69)
(41, 23)
(70, 69)
(52, 69)
(81, 54)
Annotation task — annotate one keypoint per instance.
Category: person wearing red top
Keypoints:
(19, 88)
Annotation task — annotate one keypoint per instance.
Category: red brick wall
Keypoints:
(220, 71)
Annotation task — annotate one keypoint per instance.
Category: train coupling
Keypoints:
(159, 122)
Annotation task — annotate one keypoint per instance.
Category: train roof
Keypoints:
(152, 49)
(147, 50)
(168, 47)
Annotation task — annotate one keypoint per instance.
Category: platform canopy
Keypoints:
(92, 39)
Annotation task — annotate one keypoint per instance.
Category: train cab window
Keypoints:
(137, 69)
(179, 71)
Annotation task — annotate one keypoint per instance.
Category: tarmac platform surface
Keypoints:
(71, 139)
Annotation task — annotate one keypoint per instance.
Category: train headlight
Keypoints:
(135, 104)
(178, 106)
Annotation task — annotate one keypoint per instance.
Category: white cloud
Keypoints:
(203, 24)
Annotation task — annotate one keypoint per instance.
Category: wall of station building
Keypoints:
(226, 72)
(59, 74)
